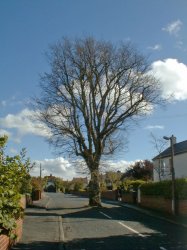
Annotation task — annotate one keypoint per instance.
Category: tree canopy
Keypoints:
(140, 170)
(91, 92)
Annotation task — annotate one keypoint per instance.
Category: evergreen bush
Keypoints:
(13, 173)
(163, 188)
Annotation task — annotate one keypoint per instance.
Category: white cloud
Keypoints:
(172, 75)
(173, 28)
(156, 47)
(58, 167)
(14, 138)
(12, 101)
(154, 127)
(4, 132)
(24, 123)
(61, 167)
(121, 165)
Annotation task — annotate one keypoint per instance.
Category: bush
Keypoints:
(13, 172)
(132, 185)
(163, 188)
(181, 188)
(78, 186)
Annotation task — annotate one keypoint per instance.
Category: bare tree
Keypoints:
(159, 145)
(92, 92)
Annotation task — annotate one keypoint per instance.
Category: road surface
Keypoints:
(112, 227)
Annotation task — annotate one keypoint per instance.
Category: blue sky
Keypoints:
(158, 29)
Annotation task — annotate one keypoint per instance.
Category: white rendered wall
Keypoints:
(180, 167)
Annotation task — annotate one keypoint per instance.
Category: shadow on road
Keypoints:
(33, 213)
(156, 228)
(121, 242)
(66, 208)
(41, 245)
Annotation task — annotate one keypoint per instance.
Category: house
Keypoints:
(50, 185)
(162, 162)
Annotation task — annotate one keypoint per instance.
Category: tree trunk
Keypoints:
(94, 189)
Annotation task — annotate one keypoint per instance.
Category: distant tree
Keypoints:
(112, 179)
(141, 170)
(102, 182)
(79, 183)
(78, 186)
(67, 186)
(36, 183)
(91, 93)
(59, 183)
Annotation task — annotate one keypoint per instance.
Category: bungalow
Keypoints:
(162, 162)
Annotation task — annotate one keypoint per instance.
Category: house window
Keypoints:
(163, 167)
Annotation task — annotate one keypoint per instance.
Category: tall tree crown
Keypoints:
(93, 89)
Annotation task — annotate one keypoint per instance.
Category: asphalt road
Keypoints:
(112, 227)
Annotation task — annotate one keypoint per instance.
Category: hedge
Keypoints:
(163, 188)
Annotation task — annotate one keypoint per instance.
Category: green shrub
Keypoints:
(78, 186)
(13, 173)
(163, 188)
(132, 185)
(181, 188)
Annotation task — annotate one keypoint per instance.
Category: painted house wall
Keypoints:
(180, 166)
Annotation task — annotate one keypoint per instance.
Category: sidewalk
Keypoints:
(42, 229)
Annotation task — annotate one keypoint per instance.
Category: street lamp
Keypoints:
(172, 140)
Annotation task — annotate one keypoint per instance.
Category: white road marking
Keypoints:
(122, 224)
(131, 229)
(163, 248)
(61, 233)
(105, 215)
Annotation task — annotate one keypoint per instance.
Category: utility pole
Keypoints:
(40, 177)
(172, 142)
(40, 171)
(172, 139)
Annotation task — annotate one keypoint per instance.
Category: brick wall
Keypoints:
(182, 207)
(19, 229)
(162, 204)
(128, 197)
(110, 195)
(80, 193)
(153, 202)
(156, 202)
(4, 242)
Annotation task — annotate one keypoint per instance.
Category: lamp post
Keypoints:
(172, 141)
